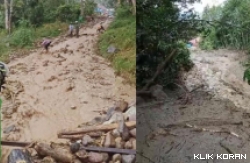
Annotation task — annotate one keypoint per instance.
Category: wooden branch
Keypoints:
(110, 150)
(130, 124)
(15, 144)
(78, 136)
(202, 122)
(158, 71)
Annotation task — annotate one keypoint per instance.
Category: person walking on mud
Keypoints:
(77, 27)
(4, 71)
(46, 43)
(71, 28)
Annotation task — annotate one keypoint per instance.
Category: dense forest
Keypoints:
(35, 13)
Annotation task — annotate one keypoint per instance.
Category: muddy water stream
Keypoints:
(58, 90)
(222, 73)
(209, 123)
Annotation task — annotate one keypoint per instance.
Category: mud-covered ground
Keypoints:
(67, 87)
(215, 119)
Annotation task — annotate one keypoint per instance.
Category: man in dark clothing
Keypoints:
(46, 43)
(4, 71)
(100, 27)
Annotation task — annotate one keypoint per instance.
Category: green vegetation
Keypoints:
(32, 20)
(161, 30)
(228, 27)
(121, 34)
(25, 38)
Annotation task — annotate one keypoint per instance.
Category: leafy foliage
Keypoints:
(246, 76)
(22, 37)
(121, 34)
(68, 12)
(37, 16)
(161, 28)
(89, 7)
(228, 28)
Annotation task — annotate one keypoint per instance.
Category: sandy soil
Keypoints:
(62, 89)
(215, 121)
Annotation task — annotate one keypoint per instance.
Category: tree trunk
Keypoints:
(134, 6)
(118, 3)
(10, 15)
(82, 6)
(6, 6)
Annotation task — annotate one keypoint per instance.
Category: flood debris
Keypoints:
(93, 142)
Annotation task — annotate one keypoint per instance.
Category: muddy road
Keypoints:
(48, 92)
(215, 119)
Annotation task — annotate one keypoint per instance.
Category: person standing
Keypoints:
(4, 71)
(71, 28)
(77, 28)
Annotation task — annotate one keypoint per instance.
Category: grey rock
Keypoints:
(87, 140)
(48, 159)
(116, 157)
(105, 157)
(121, 105)
(119, 143)
(116, 133)
(128, 158)
(9, 129)
(74, 147)
(128, 145)
(110, 112)
(95, 157)
(123, 129)
(112, 49)
(82, 155)
(133, 132)
(109, 140)
(130, 114)
(116, 117)
(133, 142)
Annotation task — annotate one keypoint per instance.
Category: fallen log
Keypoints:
(110, 150)
(59, 154)
(15, 144)
(78, 136)
(159, 70)
(107, 127)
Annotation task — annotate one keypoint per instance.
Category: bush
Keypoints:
(36, 17)
(51, 29)
(121, 33)
(89, 7)
(22, 37)
(67, 13)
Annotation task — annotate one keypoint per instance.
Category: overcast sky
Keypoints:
(200, 6)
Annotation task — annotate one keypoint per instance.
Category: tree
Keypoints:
(160, 31)
(6, 5)
(228, 27)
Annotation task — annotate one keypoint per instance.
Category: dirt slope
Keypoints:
(215, 121)
(59, 90)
